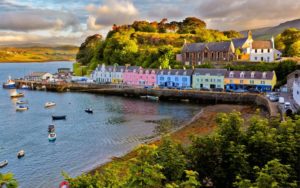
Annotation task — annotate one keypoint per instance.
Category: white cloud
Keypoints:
(91, 24)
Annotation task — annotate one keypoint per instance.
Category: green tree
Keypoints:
(8, 180)
(165, 56)
(191, 181)
(294, 49)
(233, 34)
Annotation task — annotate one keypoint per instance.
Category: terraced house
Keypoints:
(261, 81)
(102, 74)
(208, 78)
(137, 76)
(174, 78)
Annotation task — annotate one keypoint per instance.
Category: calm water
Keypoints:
(84, 141)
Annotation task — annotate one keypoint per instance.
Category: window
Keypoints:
(176, 79)
(262, 58)
(198, 80)
(255, 50)
(241, 81)
(264, 74)
(262, 82)
(184, 79)
(161, 78)
(255, 58)
(206, 80)
(242, 75)
(219, 80)
(169, 78)
(231, 74)
(251, 81)
(269, 50)
(252, 74)
(231, 81)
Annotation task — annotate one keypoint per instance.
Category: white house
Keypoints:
(102, 74)
(263, 50)
(296, 91)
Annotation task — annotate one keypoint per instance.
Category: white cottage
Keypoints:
(263, 50)
(102, 74)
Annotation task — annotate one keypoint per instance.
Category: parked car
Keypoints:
(287, 105)
(281, 100)
(274, 98)
(253, 90)
(240, 91)
(148, 87)
(204, 89)
(218, 89)
(187, 88)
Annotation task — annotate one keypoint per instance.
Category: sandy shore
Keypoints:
(203, 123)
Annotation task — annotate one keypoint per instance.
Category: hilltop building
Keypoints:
(264, 50)
(242, 46)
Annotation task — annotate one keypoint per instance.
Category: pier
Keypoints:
(195, 96)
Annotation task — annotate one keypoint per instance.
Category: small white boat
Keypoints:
(16, 95)
(21, 154)
(154, 98)
(22, 108)
(21, 102)
(49, 104)
(25, 87)
(52, 137)
(3, 163)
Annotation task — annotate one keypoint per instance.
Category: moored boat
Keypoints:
(52, 137)
(3, 163)
(51, 128)
(21, 154)
(16, 95)
(25, 87)
(22, 108)
(49, 104)
(21, 102)
(10, 84)
(59, 117)
(154, 98)
(89, 110)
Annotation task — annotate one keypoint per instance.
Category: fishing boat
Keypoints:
(51, 128)
(10, 84)
(49, 104)
(22, 108)
(52, 137)
(25, 87)
(21, 154)
(3, 163)
(89, 110)
(16, 95)
(21, 102)
(59, 117)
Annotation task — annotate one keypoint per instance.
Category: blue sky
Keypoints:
(71, 21)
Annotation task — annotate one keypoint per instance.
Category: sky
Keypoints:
(71, 21)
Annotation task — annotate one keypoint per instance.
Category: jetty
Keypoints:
(195, 96)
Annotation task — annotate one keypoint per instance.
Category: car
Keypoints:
(204, 89)
(148, 87)
(218, 89)
(240, 91)
(186, 88)
(287, 105)
(253, 90)
(281, 100)
(274, 98)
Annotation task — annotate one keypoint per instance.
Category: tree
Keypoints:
(232, 34)
(286, 39)
(294, 49)
(8, 180)
(165, 56)
(190, 24)
(191, 181)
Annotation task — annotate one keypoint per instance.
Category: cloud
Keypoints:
(91, 24)
(112, 12)
(245, 14)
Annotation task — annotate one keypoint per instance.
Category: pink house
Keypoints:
(137, 76)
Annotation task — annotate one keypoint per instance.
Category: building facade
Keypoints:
(137, 76)
(260, 81)
(208, 78)
(263, 50)
(174, 78)
(117, 74)
(39, 76)
(243, 45)
(198, 53)
(102, 74)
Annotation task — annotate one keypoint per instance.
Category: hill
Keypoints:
(37, 53)
(268, 32)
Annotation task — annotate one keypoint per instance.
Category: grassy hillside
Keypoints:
(37, 54)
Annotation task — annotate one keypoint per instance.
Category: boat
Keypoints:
(25, 87)
(64, 184)
(3, 163)
(51, 128)
(16, 95)
(21, 102)
(59, 117)
(49, 104)
(10, 84)
(22, 108)
(52, 137)
(21, 154)
(154, 98)
(89, 110)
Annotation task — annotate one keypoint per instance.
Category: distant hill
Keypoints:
(37, 53)
(268, 32)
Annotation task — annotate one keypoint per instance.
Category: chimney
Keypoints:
(249, 34)
(273, 44)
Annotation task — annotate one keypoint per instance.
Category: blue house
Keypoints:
(174, 78)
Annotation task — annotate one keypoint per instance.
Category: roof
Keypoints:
(247, 74)
(239, 42)
(181, 72)
(38, 74)
(213, 72)
(212, 46)
(262, 44)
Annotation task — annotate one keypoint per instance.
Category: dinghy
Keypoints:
(3, 163)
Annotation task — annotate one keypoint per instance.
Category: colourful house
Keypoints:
(208, 78)
(117, 74)
(137, 76)
(174, 78)
(261, 81)
(102, 74)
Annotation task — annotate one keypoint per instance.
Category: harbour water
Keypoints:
(84, 141)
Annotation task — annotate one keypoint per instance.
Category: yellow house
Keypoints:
(255, 80)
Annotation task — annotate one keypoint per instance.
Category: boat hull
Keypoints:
(59, 117)
(9, 86)
(3, 163)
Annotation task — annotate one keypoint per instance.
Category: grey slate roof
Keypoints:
(181, 72)
(238, 43)
(212, 46)
(247, 75)
(213, 72)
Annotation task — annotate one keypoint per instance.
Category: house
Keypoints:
(208, 78)
(296, 91)
(261, 81)
(263, 50)
(137, 76)
(243, 45)
(291, 79)
(117, 74)
(39, 76)
(198, 53)
(174, 78)
(102, 74)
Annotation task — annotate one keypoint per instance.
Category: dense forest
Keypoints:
(260, 154)
(146, 44)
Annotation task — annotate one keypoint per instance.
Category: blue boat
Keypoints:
(10, 84)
